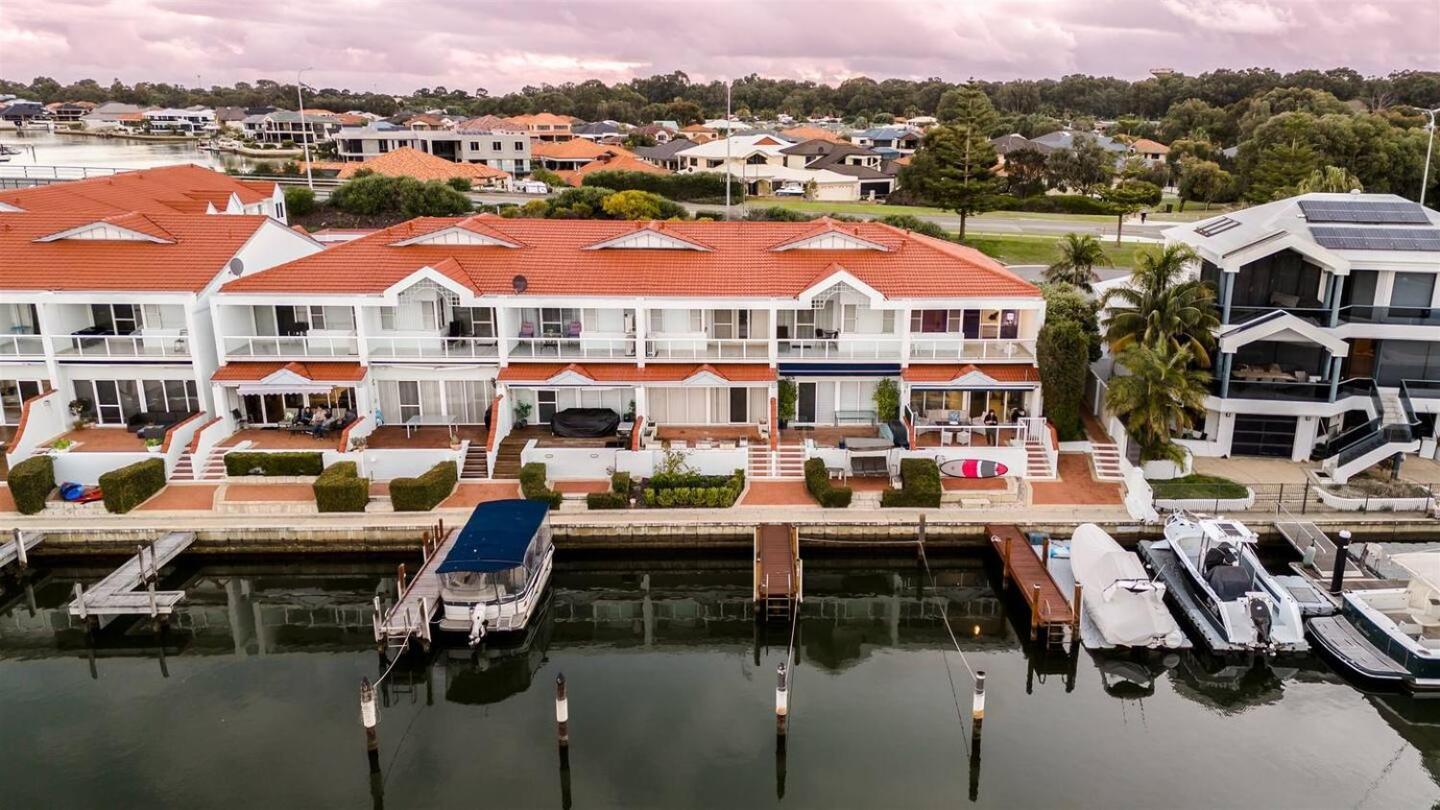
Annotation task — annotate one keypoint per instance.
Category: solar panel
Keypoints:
(1219, 226)
(1338, 238)
(1364, 212)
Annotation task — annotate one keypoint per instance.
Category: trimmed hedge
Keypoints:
(617, 498)
(1055, 204)
(693, 187)
(424, 492)
(920, 484)
(532, 485)
(818, 482)
(680, 491)
(341, 489)
(133, 484)
(31, 482)
(244, 462)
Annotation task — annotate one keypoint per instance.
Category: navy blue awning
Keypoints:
(495, 537)
(839, 369)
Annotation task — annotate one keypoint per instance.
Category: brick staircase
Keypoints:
(476, 464)
(507, 458)
(786, 463)
(1105, 461)
(184, 468)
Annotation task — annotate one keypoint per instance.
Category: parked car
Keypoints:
(790, 190)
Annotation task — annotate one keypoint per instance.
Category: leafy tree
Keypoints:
(1156, 396)
(633, 205)
(461, 184)
(1063, 352)
(953, 170)
(1079, 254)
(1192, 118)
(887, 399)
(1129, 197)
(968, 107)
(1331, 179)
(299, 201)
(1279, 170)
(1161, 307)
(549, 178)
(1065, 302)
(1025, 172)
(1203, 180)
(1085, 167)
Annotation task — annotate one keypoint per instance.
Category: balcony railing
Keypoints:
(577, 348)
(1318, 391)
(427, 346)
(292, 346)
(1401, 316)
(1320, 316)
(705, 348)
(844, 347)
(135, 345)
(958, 348)
(21, 345)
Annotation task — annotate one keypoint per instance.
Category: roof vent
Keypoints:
(519, 283)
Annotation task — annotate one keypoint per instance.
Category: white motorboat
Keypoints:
(494, 577)
(1390, 636)
(1231, 597)
(1127, 607)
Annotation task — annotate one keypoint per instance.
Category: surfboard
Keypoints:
(973, 468)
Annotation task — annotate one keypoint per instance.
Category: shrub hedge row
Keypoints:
(617, 498)
(532, 485)
(242, 462)
(693, 187)
(341, 489)
(919, 484)
(424, 492)
(1055, 204)
(818, 482)
(133, 484)
(685, 490)
(31, 482)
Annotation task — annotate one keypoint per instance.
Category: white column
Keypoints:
(774, 341)
(505, 328)
(642, 316)
(902, 325)
(362, 332)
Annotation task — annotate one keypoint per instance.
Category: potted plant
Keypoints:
(358, 443)
(786, 395)
(154, 445)
(83, 410)
(522, 414)
(61, 446)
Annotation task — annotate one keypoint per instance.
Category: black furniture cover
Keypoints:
(584, 423)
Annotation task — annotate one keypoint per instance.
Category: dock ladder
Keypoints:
(779, 572)
(417, 598)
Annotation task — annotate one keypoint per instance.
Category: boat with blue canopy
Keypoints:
(495, 574)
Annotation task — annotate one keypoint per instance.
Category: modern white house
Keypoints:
(441, 333)
(506, 151)
(186, 121)
(761, 163)
(1329, 344)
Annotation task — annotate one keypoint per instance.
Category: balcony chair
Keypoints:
(527, 329)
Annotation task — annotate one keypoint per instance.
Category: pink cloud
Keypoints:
(397, 47)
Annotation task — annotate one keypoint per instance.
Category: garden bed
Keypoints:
(1376, 493)
(1195, 491)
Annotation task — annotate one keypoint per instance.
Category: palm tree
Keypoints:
(1157, 397)
(1079, 254)
(1160, 307)
(1334, 179)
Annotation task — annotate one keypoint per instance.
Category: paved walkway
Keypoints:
(1255, 470)
(581, 487)
(269, 492)
(1076, 486)
(186, 497)
(778, 493)
(466, 496)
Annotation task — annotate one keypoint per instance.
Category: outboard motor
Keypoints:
(478, 625)
(1260, 616)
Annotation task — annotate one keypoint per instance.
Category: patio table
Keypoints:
(430, 419)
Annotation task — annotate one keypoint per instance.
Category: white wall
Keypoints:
(387, 465)
(562, 463)
(86, 468)
(47, 419)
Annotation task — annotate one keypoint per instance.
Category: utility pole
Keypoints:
(304, 125)
(727, 149)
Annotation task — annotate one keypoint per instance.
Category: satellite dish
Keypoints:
(237, 266)
(519, 283)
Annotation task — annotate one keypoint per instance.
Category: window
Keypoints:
(387, 319)
(13, 394)
(476, 321)
(496, 146)
(119, 319)
(519, 146)
(1412, 290)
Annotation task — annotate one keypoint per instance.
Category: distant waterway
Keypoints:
(251, 700)
(40, 148)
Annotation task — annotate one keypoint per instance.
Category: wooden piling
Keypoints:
(22, 558)
(1005, 563)
(562, 713)
(1337, 576)
(1034, 611)
(782, 701)
(369, 717)
(1079, 591)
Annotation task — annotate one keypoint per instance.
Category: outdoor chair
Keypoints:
(527, 329)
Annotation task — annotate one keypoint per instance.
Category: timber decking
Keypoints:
(777, 568)
(116, 594)
(419, 598)
(1022, 565)
(11, 550)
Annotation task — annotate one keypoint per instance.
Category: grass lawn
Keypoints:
(866, 208)
(1042, 249)
(1199, 486)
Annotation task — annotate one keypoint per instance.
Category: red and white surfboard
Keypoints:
(973, 468)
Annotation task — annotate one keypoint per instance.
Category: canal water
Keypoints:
(40, 148)
(250, 699)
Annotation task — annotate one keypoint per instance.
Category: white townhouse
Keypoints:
(190, 120)
(667, 333)
(761, 163)
(1329, 344)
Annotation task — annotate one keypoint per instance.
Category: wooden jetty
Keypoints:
(418, 597)
(117, 594)
(1090, 634)
(779, 573)
(1024, 565)
(18, 549)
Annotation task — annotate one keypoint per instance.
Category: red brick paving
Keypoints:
(197, 497)
(581, 487)
(269, 492)
(7, 501)
(471, 494)
(1075, 485)
(777, 493)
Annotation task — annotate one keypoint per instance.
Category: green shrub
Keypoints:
(299, 201)
(818, 482)
(380, 194)
(688, 490)
(424, 492)
(607, 500)
(620, 483)
(693, 187)
(459, 183)
(1054, 204)
(532, 485)
(133, 484)
(341, 489)
(31, 482)
(291, 463)
(919, 484)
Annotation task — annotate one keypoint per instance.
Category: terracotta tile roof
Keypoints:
(808, 133)
(554, 259)
(1000, 372)
(576, 149)
(630, 373)
(621, 163)
(542, 118)
(697, 128)
(314, 371)
(489, 123)
(410, 162)
(183, 189)
(1148, 146)
(196, 249)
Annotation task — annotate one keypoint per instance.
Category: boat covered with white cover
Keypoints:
(1118, 595)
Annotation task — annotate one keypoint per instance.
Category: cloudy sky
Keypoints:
(398, 46)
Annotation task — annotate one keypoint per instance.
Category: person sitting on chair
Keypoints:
(304, 416)
(319, 421)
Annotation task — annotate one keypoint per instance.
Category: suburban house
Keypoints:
(875, 174)
(183, 189)
(610, 163)
(545, 126)
(665, 155)
(68, 112)
(759, 161)
(608, 131)
(1153, 153)
(280, 126)
(23, 112)
(409, 162)
(111, 114)
(456, 329)
(1066, 138)
(106, 319)
(187, 121)
(1329, 344)
(809, 132)
(467, 143)
(1005, 144)
(889, 141)
(571, 154)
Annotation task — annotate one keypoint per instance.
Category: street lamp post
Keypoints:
(1429, 148)
(304, 125)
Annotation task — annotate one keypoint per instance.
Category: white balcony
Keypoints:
(571, 348)
(842, 347)
(292, 346)
(706, 348)
(121, 346)
(17, 345)
(432, 347)
(960, 348)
